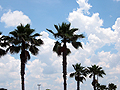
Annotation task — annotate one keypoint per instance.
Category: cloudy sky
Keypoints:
(98, 20)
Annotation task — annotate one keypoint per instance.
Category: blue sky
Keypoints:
(99, 20)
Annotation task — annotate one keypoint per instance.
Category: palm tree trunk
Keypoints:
(64, 65)
(97, 81)
(94, 82)
(23, 59)
(78, 85)
(22, 75)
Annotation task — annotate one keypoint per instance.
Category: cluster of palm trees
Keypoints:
(94, 71)
(24, 41)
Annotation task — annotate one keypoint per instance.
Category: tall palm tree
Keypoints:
(95, 70)
(23, 40)
(112, 86)
(3, 43)
(79, 74)
(66, 35)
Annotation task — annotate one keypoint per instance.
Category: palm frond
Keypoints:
(73, 30)
(57, 48)
(29, 31)
(14, 33)
(36, 34)
(2, 52)
(77, 45)
(56, 27)
(27, 26)
(81, 36)
(50, 31)
(90, 75)
(34, 50)
(72, 75)
(27, 55)
(68, 51)
(39, 42)
(13, 49)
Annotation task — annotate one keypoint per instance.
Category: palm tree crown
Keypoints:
(112, 86)
(22, 38)
(66, 35)
(3, 43)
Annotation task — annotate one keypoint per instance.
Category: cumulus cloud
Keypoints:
(10, 72)
(84, 6)
(15, 18)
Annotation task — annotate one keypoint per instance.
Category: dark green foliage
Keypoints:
(24, 34)
(3, 44)
(112, 86)
(66, 35)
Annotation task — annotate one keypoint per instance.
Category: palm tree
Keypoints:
(66, 35)
(3, 43)
(112, 86)
(23, 40)
(95, 70)
(79, 74)
(101, 87)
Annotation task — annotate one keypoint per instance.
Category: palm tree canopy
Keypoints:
(23, 35)
(3, 43)
(96, 70)
(66, 35)
(80, 72)
(112, 86)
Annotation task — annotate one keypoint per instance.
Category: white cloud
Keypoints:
(15, 18)
(59, 80)
(115, 70)
(84, 6)
(1, 7)
(116, 26)
(9, 72)
(116, 0)
(85, 23)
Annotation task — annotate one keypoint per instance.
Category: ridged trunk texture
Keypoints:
(65, 65)
(22, 75)
(78, 84)
(23, 59)
(94, 82)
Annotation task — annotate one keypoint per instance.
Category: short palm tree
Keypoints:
(95, 70)
(66, 35)
(79, 74)
(101, 87)
(3, 43)
(112, 86)
(23, 40)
